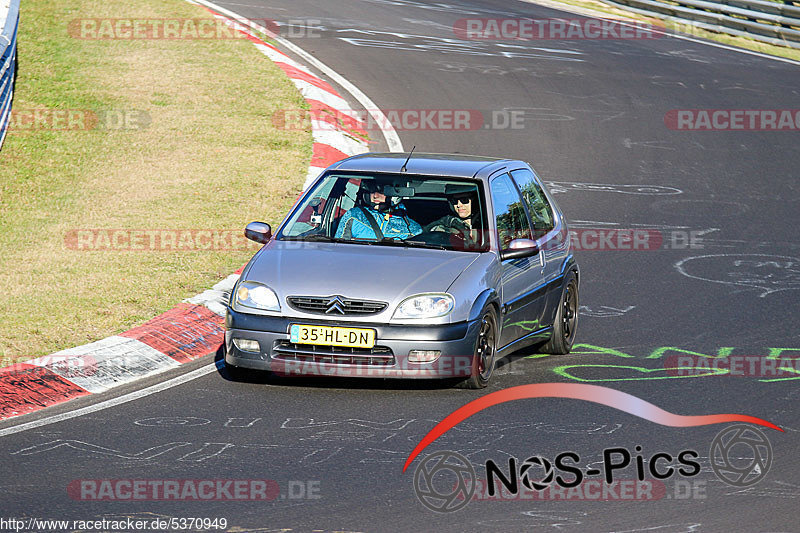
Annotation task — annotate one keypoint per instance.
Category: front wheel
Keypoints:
(484, 358)
(566, 322)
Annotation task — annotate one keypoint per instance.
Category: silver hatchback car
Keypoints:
(407, 266)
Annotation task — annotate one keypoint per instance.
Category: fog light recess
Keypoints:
(247, 345)
(423, 356)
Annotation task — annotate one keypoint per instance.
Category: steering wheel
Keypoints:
(444, 238)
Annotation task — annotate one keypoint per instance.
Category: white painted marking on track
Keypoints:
(763, 272)
(604, 311)
(241, 422)
(565, 186)
(179, 380)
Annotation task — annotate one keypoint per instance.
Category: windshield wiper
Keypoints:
(319, 237)
(315, 237)
(386, 241)
(423, 244)
(412, 243)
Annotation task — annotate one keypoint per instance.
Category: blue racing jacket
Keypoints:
(355, 225)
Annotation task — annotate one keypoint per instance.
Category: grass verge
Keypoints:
(199, 151)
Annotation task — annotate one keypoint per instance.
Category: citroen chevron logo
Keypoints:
(335, 305)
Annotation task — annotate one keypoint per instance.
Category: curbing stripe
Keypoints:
(338, 140)
(113, 402)
(311, 92)
(26, 388)
(101, 365)
(184, 333)
(279, 57)
(325, 155)
(328, 100)
(194, 328)
(296, 74)
(334, 117)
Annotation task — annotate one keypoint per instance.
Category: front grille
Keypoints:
(335, 305)
(375, 356)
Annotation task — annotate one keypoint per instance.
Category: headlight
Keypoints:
(425, 306)
(256, 296)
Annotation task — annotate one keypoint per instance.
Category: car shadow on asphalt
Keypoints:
(260, 377)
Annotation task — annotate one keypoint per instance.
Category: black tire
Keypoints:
(485, 352)
(566, 322)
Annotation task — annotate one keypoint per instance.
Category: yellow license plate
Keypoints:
(332, 336)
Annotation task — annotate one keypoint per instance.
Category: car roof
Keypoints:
(451, 165)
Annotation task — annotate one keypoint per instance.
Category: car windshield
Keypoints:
(392, 210)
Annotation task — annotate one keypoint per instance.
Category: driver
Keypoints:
(465, 219)
(377, 216)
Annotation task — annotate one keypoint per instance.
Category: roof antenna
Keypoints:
(403, 168)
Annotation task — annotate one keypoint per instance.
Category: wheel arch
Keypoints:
(488, 296)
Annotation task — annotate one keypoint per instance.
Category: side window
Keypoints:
(538, 206)
(310, 218)
(512, 222)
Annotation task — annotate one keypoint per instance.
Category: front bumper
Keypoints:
(455, 342)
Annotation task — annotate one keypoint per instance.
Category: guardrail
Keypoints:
(762, 20)
(8, 64)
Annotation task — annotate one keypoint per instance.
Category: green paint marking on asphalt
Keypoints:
(563, 372)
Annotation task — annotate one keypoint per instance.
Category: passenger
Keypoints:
(377, 216)
(465, 217)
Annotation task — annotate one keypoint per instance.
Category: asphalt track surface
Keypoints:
(593, 113)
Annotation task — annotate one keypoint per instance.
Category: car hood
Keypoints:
(372, 272)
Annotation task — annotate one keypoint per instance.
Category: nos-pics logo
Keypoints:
(446, 481)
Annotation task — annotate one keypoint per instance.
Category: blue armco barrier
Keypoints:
(8, 63)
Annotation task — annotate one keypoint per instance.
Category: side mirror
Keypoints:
(260, 232)
(519, 248)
